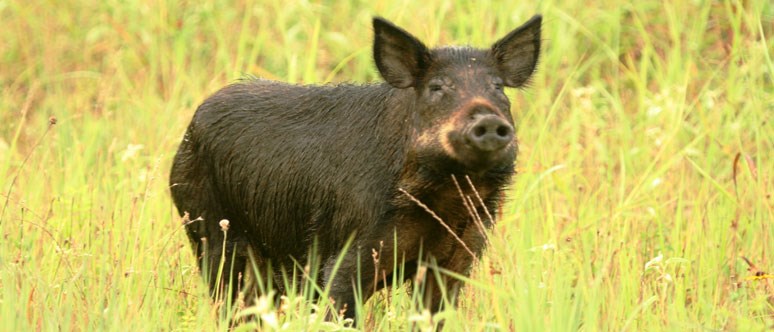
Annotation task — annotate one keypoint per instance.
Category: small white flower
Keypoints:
(131, 151)
(544, 247)
(224, 224)
(655, 262)
(270, 319)
(423, 317)
(651, 211)
(143, 175)
(263, 304)
(653, 111)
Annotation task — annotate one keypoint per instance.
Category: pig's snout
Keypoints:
(488, 133)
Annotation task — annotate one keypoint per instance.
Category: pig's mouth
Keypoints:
(480, 157)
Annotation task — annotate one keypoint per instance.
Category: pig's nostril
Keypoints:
(503, 131)
(479, 131)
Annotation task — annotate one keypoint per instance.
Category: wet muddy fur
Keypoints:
(292, 167)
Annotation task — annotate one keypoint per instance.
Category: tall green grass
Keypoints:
(643, 200)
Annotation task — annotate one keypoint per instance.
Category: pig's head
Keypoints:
(462, 114)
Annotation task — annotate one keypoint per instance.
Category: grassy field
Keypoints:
(643, 199)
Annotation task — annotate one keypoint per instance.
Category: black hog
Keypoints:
(340, 170)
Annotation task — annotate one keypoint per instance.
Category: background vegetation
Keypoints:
(643, 200)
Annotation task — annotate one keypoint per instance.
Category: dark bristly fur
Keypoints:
(295, 166)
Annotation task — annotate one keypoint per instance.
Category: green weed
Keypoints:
(643, 199)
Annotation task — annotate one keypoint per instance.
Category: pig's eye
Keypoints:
(435, 87)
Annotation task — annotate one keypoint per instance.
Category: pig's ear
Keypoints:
(401, 58)
(517, 53)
